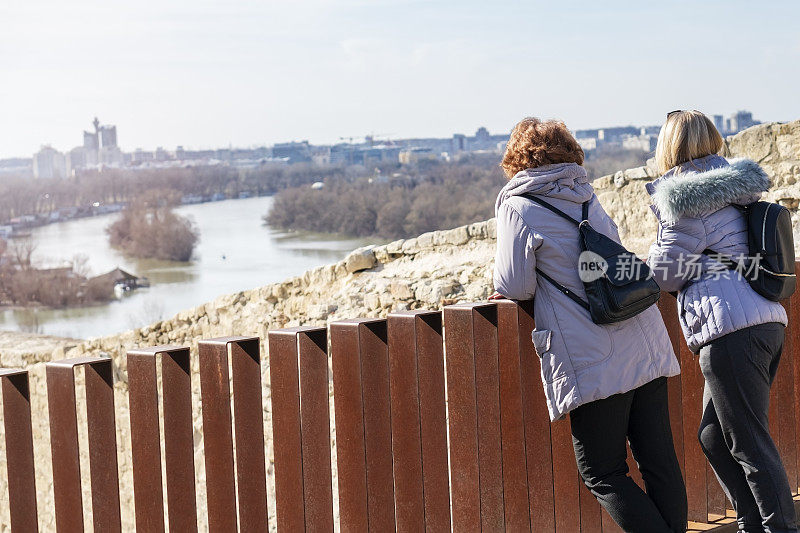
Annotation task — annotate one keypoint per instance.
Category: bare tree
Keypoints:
(21, 250)
(80, 265)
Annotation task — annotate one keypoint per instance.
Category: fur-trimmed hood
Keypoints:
(683, 191)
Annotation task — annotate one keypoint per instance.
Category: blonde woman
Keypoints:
(611, 379)
(737, 332)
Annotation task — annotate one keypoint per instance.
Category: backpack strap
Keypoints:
(565, 291)
(559, 212)
(585, 210)
(562, 289)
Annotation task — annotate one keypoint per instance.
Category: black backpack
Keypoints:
(769, 265)
(622, 285)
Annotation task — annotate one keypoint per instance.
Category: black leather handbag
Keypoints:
(618, 284)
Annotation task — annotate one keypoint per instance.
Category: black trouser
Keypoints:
(734, 432)
(599, 432)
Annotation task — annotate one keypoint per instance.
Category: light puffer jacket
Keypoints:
(581, 361)
(695, 204)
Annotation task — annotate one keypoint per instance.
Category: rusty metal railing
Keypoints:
(440, 425)
(176, 399)
(19, 449)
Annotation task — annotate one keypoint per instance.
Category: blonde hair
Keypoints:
(686, 135)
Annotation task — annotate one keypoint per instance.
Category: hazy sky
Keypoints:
(204, 74)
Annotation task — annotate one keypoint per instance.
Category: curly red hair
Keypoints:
(534, 143)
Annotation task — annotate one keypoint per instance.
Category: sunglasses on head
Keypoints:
(679, 111)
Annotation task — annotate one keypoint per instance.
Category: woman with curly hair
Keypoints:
(612, 379)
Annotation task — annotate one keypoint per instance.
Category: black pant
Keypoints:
(734, 433)
(599, 432)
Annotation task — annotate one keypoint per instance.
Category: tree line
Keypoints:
(21, 195)
(433, 195)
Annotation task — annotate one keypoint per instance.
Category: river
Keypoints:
(236, 252)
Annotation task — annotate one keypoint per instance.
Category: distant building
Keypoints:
(108, 136)
(78, 158)
(415, 155)
(90, 141)
(616, 134)
(586, 134)
(99, 147)
(459, 143)
(587, 143)
(645, 143)
(17, 165)
(741, 120)
(321, 155)
(116, 282)
(484, 141)
(719, 123)
(295, 152)
(341, 154)
(111, 156)
(160, 154)
(49, 163)
(140, 156)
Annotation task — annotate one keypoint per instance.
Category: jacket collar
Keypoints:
(566, 181)
(706, 185)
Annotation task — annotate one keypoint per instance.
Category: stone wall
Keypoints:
(428, 271)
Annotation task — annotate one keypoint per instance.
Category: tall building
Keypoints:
(108, 136)
(719, 123)
(78, 158)
(741, 120)
(459, 143)
(49, 163)
(99, 147)
(90, 141)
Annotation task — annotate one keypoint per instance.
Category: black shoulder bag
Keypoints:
(618, 284)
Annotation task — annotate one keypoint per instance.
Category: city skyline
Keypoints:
(93, 140)
(246, 73)
(100, 149)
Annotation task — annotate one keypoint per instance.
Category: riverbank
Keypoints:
(235, 252)
(20, 227)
